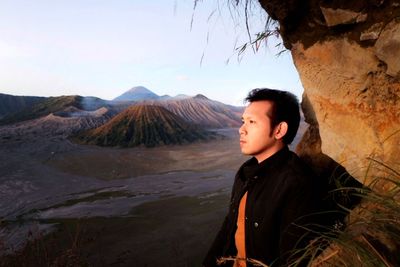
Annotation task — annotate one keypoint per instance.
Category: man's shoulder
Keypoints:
(296, 169)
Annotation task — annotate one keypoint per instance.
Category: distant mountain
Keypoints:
(136, 94)
(73, 112)
(143, 125)
(181, 96)
(63, 123)
(164, 97)
(51, 105)
(198, 110)
(203, 111)
(10, 104)
(201, 97)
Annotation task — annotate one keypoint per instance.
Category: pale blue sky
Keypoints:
(103, 48)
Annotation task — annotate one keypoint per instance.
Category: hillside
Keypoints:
(197, 109)
(52, 105)
(10, 104)
(203, 111)
(137, 93)
(143, 125)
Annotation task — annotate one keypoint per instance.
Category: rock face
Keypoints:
(356, 105)
(348, 56)
(387, 48)
(335, 17)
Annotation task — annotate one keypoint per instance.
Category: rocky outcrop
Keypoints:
(355, 103)
(372, 33)
(335, 17)
(347, 54)
(387, 48)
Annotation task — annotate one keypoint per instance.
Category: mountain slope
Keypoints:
(203, 111)
(143, 124)
(10, 104)
(62, 123)
(136, 94)
(51, 105)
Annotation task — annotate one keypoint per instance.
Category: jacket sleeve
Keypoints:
(297, 221)
(220, 241)
(217, 246)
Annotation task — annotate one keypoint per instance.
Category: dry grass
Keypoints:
(42, 252)
(372, 235)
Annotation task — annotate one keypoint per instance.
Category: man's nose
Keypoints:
(241, 129)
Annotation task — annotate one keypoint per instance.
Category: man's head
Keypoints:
(285, 108)
(270, 121)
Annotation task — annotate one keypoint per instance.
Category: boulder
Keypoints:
(334, 17)
(357, 108)
(372, 33)
(349, 67)
(387, 48)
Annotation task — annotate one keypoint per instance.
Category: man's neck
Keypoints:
(270, 152)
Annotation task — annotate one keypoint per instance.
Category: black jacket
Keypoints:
(281, 192)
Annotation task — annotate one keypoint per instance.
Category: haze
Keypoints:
(102, 48)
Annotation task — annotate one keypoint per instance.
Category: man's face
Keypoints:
(256, 136)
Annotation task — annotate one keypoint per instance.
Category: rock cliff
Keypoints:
(348, 56)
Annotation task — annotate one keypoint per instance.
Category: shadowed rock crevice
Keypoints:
(332, 176)
(314, 21)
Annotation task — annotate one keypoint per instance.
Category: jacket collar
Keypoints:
(252, 168)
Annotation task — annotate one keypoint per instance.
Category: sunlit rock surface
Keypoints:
(356, 104)
(347, 55)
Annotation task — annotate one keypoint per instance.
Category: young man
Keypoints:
(273, 191)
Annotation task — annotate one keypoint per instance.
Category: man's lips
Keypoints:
(242, 142)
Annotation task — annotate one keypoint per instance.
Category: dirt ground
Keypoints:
(115, 206)
(111, 206)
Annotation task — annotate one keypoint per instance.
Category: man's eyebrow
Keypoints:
(249, 116)
(269, 114)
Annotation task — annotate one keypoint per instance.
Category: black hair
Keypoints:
(285, 107)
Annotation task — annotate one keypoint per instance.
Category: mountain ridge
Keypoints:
(137, 93)
(11, 103)
(194, 109)
(148, 125)
(52, 105)
(203, 111)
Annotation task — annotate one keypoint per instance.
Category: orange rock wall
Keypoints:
(356, 104)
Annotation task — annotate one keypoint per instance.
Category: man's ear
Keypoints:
(281, 130)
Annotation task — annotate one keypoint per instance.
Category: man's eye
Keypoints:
(251, 121)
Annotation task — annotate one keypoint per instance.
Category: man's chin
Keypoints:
(245, 152)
